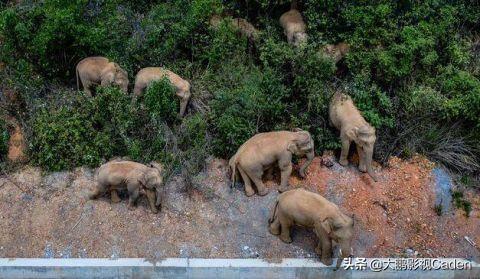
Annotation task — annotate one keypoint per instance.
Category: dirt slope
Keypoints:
(48, 216)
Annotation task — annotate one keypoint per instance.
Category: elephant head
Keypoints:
(340, 229)
(302, 145)
(121, 78)
(299, 38)
(154, 180)
(114, 75)
(364, 137)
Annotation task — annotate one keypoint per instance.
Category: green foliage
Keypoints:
(412, 70)
(253, 105)
(160, 100)
(462, 203)
(87, 131)
(65, 138)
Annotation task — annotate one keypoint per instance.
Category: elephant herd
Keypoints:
(261, 154)
(94, 71)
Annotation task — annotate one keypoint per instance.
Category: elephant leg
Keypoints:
(114, 196)
(344, 154)
(184, 98)
(274, 227)
(256, 176)
(99, 190)
(133, 193)
(318, 249)
(269, 173)
(246, 181)
(151, 200)
(137, 90)
(183, 106)
(87, 87)
(361, 159)
(285, 225)
(326, 249)
(286, 171)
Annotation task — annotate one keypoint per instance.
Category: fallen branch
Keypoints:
(78, 222)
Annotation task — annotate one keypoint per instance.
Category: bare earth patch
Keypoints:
(49, 216)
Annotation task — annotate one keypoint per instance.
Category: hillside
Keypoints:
(412, 68)
(48, 216)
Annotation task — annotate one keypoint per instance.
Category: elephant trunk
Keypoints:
(345, 252)
(310, 157)
(368, 163)
(158, 197)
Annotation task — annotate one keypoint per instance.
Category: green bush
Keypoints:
(160, 100)
(412, 70)
(66, 138)
(87, 131)
(254, 105)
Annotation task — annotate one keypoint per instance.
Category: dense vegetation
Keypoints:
(413, 69)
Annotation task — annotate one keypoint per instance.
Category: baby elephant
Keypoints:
(336, 52)
(135, 177)
(294, 27)
(303, 208)
(264, 150)
(100, 71)
(147, 75)
(345, 116)
(241, 25)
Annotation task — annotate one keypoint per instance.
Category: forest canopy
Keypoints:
(413, 69)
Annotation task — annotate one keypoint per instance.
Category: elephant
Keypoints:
(294, 27)
(147, 75)
(304, 208)
(345, 116)
(336, 52)
(265, 150)
(135, 177)
(100, 71)
(242, 25)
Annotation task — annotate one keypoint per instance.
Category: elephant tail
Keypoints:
(233, 166)
(234, 175)
(294, 5)
(76, 74)
(274, 213)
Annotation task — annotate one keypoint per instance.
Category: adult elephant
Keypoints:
(264, 150)
(100, 71)
(147, 75)
(345, 116)
(310, 210)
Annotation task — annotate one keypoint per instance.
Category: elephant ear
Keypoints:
(326, 225)
(143, 181)
(292, 147)
(107, 78)
(352, 133)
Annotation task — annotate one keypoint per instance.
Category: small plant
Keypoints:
(160, 100)
(462, 203)
(438, 209)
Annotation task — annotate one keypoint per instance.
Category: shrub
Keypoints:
(412, 70)
(160, 100)
(65, 138)
(254, 106)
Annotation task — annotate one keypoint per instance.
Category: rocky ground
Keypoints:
(47, 215)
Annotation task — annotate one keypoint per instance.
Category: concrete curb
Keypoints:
(234, 268)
